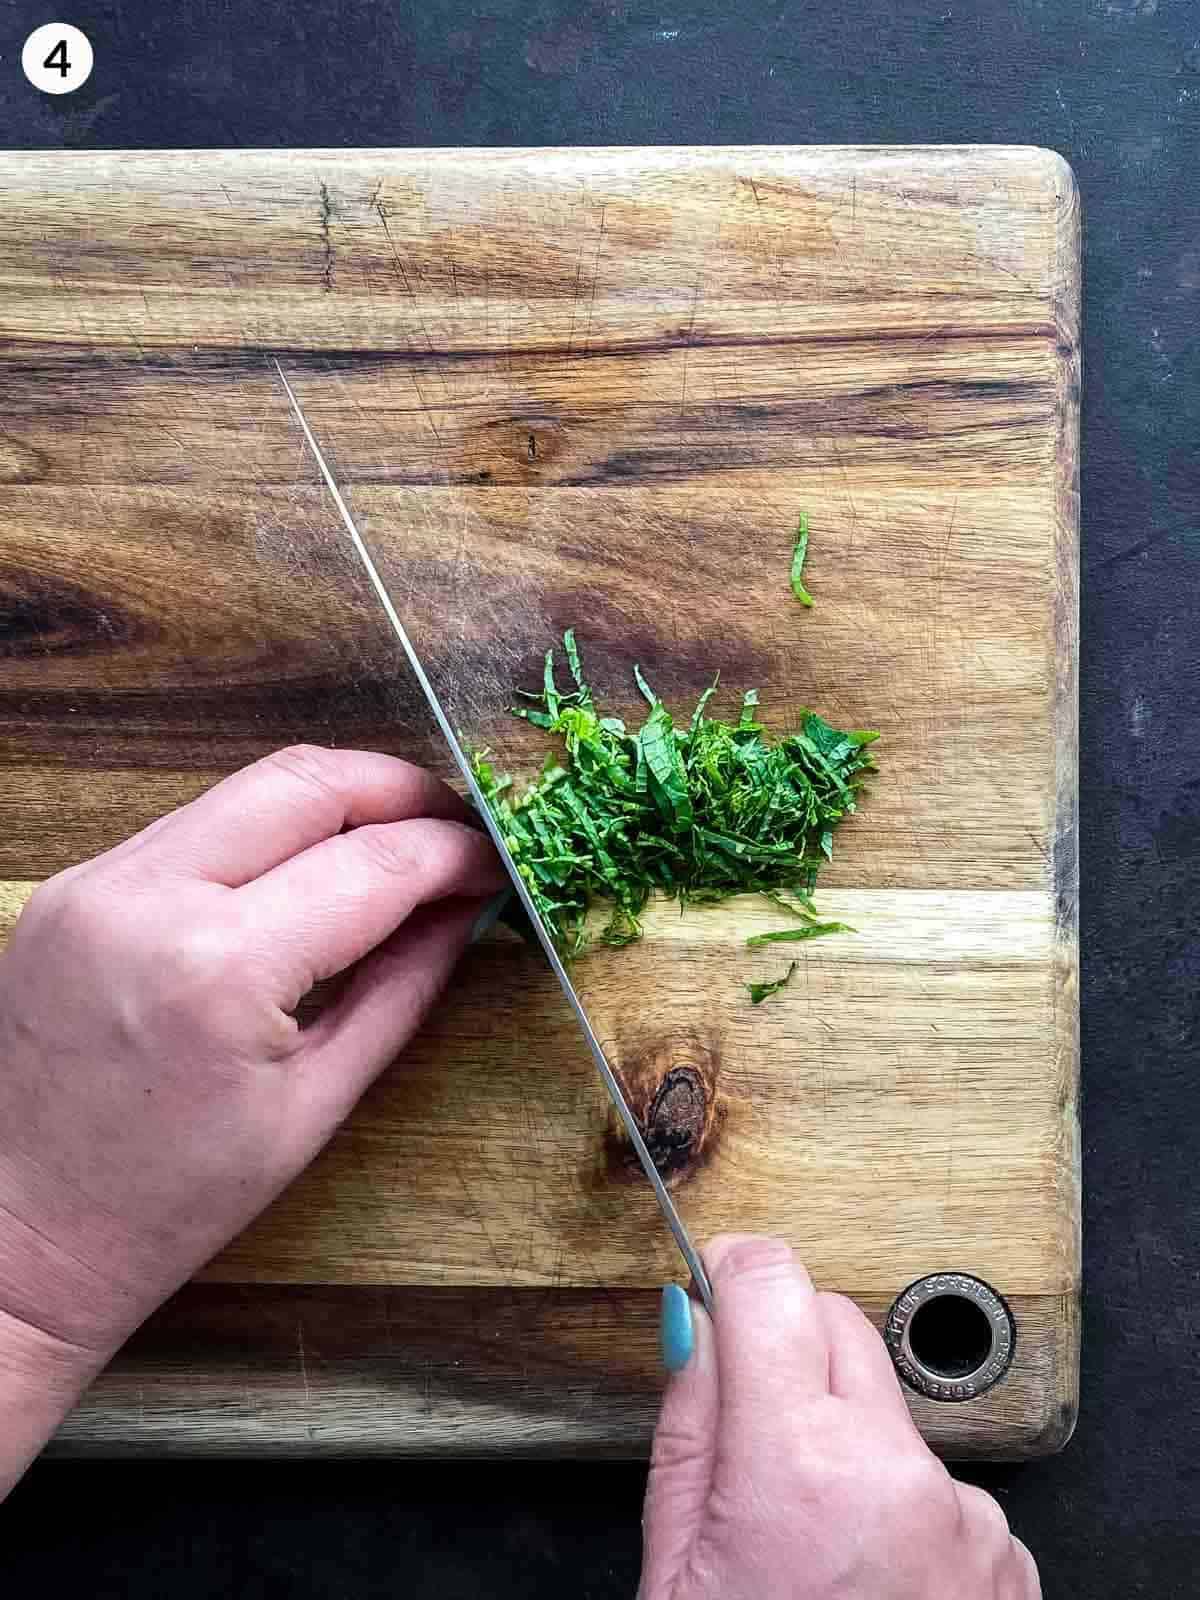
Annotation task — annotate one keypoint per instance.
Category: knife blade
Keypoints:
(666, 1204)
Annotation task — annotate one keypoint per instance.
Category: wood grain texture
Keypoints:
(592, 388)
(331, 1370)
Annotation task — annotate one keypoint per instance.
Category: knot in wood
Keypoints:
(671, 1087)
(675, 1124)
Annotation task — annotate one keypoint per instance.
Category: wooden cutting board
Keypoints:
(589, 388)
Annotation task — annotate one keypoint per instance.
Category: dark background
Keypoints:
(1115, 86)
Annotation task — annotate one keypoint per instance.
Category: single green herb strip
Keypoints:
(763, 991)
(698, 813)
(799, 552)
(811, 930)
(803, 908)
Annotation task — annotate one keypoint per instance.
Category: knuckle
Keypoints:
(311, 765)
(73, 907)
(984, 1514)
(749, 1258)
(46, 901)
(919, 1483)
(387, 850)
(843, 1315)
(204, 958)
(678, 1447)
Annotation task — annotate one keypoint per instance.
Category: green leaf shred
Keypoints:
(763, 991)
(811, 930)
(799, 552)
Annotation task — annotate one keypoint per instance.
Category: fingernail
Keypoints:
(488, 917)
(676, 1336)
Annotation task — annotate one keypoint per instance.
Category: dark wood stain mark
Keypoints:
(467, 1341)
(327, 238)
(285, 705)
(676, 664)
(17, 352)
(219, 1361)
(179, 717)
(39, 618)
(675, 1121)
(59, 387)
(521, 447)
(770, 431)
(672, 1088)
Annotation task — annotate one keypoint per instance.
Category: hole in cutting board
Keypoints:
(950, 1335)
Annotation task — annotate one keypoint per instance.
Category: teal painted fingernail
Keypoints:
(676, 1336)
(490, 915)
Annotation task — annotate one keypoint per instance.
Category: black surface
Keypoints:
(1115, 86)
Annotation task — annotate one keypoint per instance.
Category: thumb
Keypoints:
(681, 1462)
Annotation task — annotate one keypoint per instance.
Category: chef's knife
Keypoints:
(667, 1205)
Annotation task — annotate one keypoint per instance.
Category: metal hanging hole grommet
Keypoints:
(950, 1335)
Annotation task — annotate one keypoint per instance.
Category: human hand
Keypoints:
(156, 1090)
(786, 1465)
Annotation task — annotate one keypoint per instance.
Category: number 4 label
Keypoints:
(57, 58)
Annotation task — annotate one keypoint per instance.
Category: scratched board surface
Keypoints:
(590, 389)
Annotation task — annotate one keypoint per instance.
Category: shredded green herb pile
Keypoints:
(698, 813)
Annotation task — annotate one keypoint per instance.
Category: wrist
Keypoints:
(41, 1378)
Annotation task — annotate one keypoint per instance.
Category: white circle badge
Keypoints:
(57, 58)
